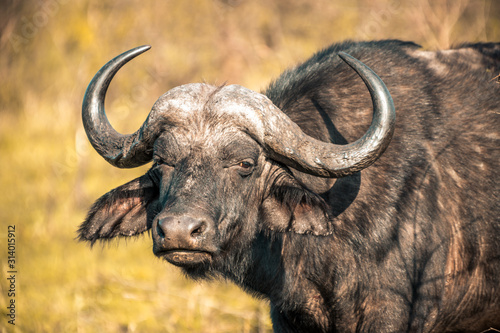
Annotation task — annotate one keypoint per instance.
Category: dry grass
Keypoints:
(50, 174)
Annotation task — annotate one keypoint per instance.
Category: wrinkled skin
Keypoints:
(233, 170)
(408, 244)
(207, 171)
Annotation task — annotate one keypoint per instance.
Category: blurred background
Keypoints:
(50, 175)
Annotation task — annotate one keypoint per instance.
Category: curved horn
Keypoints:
(124, 151)
(288, 144)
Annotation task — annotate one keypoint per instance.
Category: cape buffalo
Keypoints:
(265, 190)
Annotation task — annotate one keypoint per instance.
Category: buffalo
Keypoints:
(343, 224)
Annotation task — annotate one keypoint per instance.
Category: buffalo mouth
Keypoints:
(184, 257)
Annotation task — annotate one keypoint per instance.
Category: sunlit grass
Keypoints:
(50, 175)
(63, 285)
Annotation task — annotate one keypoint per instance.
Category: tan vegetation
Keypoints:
(49, 51)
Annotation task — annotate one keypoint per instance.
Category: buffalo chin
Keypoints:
(183, 258)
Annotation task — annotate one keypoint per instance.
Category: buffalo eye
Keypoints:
(159, 169)
(157, 160)
(160, 161)
(245, 167)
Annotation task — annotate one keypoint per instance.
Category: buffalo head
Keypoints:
(222, 160)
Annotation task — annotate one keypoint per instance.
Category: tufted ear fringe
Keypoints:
(125, 211)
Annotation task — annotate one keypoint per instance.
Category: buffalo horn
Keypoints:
(288, 144)
(124, 151)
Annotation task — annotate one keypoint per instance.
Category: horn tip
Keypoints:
(143, 48)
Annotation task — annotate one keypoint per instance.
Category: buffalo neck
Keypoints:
(297, 273)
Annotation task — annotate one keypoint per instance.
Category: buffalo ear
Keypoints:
(125, 211)
(300, 212)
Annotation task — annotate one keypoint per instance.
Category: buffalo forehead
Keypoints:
(221, 142)
(245, 107)
(181, 103)
(193, 103)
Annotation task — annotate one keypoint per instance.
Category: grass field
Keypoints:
(63, 286)
(50, 175)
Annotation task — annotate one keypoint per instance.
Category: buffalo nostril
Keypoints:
(181, 229)
(198, 230)
(159, 229)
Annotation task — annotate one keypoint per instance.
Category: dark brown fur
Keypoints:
(411, 243)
